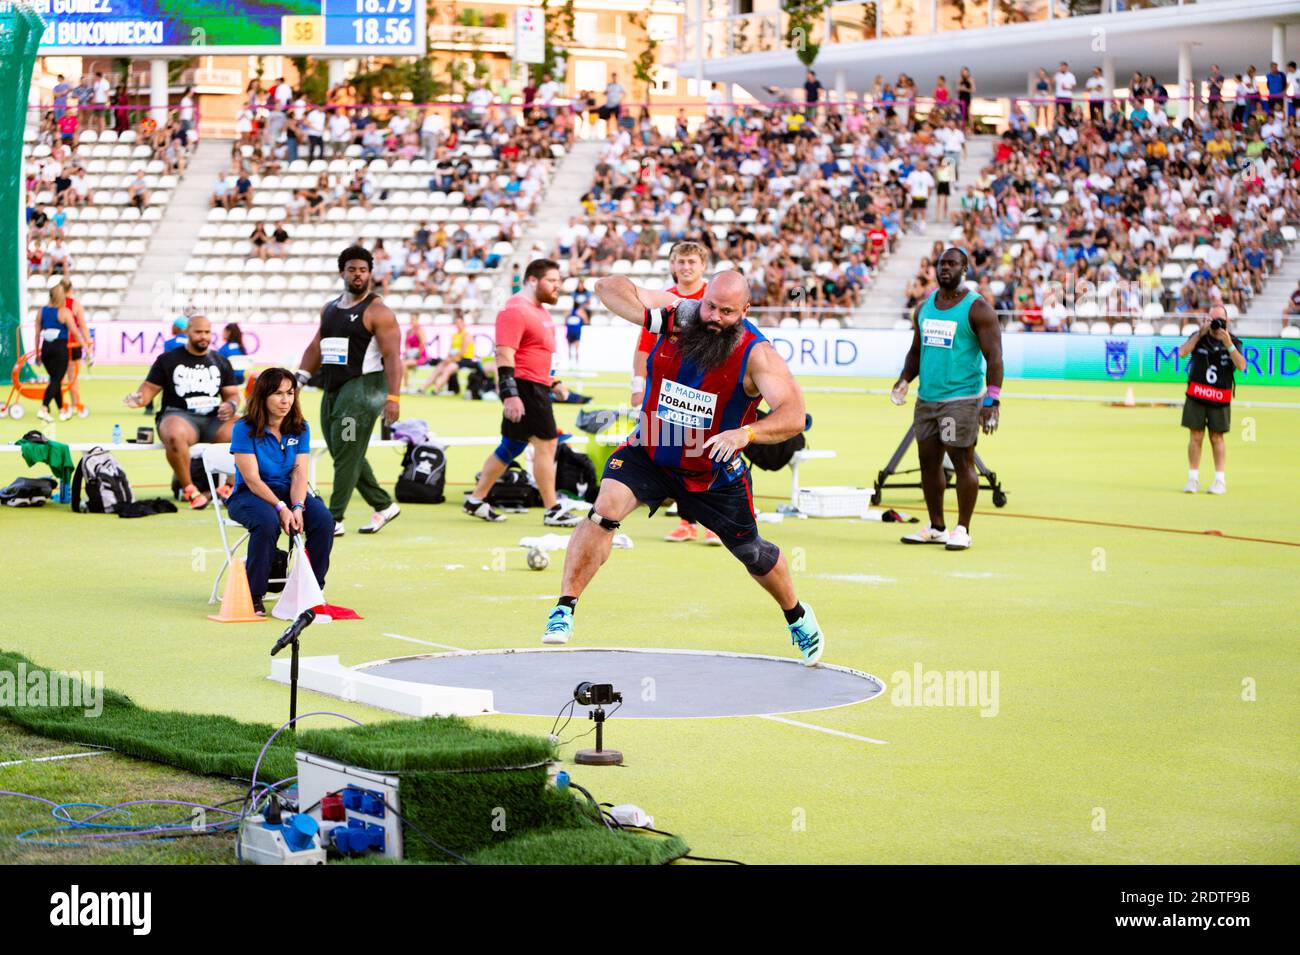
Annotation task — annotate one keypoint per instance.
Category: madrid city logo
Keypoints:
(1116, 358)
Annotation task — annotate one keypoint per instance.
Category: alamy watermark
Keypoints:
(53, 689)
(922, 687)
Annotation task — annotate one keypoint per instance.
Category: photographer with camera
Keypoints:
(1216, 357)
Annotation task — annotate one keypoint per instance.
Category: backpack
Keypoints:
(105, 482)
(773, 457)
(515, 489)
(28, 492)
(575, 473)
(478, 384)
(424, 475)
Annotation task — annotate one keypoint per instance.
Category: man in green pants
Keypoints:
(358, 353)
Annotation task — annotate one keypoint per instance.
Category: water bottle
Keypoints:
(117, 434)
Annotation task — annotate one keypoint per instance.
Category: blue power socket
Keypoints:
(357, 837)
(367, 802)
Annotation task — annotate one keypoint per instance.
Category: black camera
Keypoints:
(1217, 323)
(596, 694)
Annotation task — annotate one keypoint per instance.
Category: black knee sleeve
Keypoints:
(759, 556)
(604, 523)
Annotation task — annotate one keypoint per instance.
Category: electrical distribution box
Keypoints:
(362, 810)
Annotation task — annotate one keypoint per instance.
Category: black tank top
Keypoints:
(347, 348)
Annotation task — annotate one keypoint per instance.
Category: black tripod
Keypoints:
(990, 477)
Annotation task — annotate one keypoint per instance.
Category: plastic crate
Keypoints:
(834, 501)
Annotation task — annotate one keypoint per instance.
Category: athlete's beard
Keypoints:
(707, 349)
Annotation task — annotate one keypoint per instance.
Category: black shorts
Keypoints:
(573, 337)
(205, 425)
(539, 417)
(918, 202)
(1201, 415)
(728, 511)
(942, 188)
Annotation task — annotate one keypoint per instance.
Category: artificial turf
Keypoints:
(1146, 666)
(464, 787)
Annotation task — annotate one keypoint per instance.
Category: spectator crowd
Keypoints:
(62, 175)
(806, 204)
(1119, 205)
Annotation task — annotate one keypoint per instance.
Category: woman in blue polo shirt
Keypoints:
(272, 449)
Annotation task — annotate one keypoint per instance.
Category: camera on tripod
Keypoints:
(596, 694)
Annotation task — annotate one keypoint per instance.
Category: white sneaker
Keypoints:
(66, 414)
(958, 539)
(926, 535)
(1192, 486)
(338, 528)
(44, 415)
(483, 511)
(1218, 487)
(557, 516)
(380, 518)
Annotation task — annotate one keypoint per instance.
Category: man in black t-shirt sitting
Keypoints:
(1215, 358)
(199, 401)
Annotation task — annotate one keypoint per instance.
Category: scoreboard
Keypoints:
(217, 27)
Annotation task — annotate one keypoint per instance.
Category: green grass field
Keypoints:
(1148, 680)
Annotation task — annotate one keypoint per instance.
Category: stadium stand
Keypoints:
(93, 197)
(806, 206)
(1131, 223)
(440, 212)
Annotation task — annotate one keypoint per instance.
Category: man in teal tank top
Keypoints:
(956, 337)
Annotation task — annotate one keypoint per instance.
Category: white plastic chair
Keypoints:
(218, 464)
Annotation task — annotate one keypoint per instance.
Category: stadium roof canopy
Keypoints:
(1232, 33)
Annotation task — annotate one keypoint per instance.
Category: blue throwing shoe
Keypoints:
(806, 634)
(559, 625)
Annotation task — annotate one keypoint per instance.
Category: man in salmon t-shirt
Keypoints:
(525, 346)
(687, 262)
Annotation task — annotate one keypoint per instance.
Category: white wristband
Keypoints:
(279, 506)
(638, 383)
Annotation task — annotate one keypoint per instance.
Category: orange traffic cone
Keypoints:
(237, 601)
(1129, 401)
